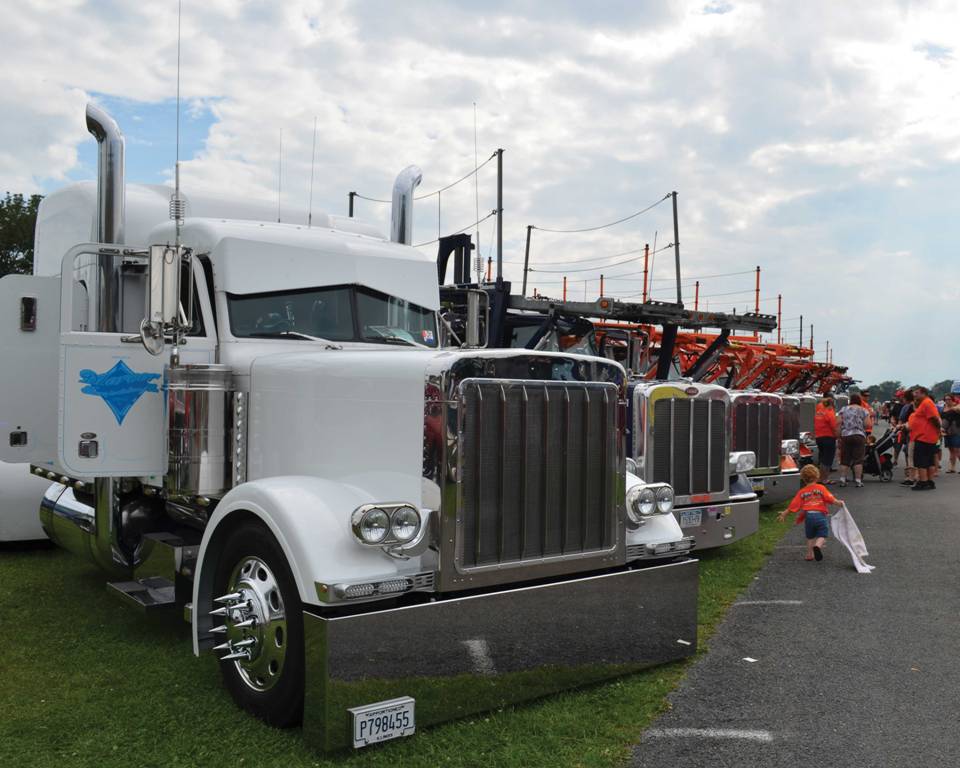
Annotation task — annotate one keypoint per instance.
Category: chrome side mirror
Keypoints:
(163, 297)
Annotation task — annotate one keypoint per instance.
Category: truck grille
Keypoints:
(790, 424)
(808, 410)
(757, 428)
(538, 464)
(689, 445)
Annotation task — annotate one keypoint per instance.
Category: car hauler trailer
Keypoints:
(678, 431)
(253, 424)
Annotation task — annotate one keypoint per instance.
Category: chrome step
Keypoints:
(148, 595)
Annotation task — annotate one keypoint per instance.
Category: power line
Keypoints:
(603, 226)
(436, 191)
(462, 229)
(613, 264)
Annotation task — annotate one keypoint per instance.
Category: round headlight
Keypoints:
(646, 502)
(405, 524)
(665, 499)
(373, 526)
(631, 466)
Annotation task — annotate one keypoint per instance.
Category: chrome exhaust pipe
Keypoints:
(109, 221)
(401, 212)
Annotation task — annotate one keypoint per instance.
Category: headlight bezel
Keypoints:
(642, 501)
(393, 511)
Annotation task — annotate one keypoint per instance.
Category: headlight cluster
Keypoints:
(742, 461)
(383, 524)
(789, 447)
(646, 500)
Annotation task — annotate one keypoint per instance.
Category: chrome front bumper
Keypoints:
(721, 523)
(778, 489)
(465, 655)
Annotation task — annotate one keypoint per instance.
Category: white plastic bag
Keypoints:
(847, 533)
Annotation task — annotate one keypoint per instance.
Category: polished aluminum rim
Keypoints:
(256, 624)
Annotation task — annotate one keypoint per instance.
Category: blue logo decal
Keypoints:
(119, 387)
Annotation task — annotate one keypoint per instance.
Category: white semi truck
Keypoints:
(253, 424)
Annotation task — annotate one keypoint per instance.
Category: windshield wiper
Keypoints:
(394, 340)
(292, 335)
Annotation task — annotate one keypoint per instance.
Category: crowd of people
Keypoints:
(921, 430)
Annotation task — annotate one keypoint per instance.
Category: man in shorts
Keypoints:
(924, 424)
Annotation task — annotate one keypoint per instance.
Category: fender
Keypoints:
(310, 518)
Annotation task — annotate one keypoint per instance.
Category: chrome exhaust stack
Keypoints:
(109, 222)
(401, 213)
(94, 531)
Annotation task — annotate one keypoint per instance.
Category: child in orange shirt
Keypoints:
(812, 502)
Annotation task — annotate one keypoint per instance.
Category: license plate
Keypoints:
(382, 721)
(757, 486)
(690, 518)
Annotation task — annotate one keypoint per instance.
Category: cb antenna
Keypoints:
(177, 203)
(177, 210)
(478, 260)
(313, 163)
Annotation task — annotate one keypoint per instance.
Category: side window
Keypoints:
(110, 295)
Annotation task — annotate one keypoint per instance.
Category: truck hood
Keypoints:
(373, 402)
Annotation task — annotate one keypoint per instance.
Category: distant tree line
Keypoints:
(885, 389)
(18, 218)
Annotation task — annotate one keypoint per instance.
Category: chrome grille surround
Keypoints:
(755, 425)
(681, 438)
(501, 430)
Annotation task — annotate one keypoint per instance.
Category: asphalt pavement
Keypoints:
(819, 665)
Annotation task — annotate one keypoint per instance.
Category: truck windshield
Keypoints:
(342, 313)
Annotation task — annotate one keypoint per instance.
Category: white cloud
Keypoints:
(794, 133)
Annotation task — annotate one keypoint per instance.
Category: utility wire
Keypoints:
(603, 226)
(436, 191)
(463, 229)
(594, 269)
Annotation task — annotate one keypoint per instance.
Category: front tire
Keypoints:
(262, 661)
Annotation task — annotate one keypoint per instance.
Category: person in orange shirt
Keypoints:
(826, 430)
(812, 503)
(924, 425)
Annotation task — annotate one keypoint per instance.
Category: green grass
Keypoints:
(84, 681)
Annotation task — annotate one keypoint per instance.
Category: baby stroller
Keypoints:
(878, 461)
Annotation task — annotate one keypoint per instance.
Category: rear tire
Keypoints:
(270, 683)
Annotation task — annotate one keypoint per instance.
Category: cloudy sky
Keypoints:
(819, 140)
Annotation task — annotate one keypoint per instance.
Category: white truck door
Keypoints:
(29, 330)
(112, 419)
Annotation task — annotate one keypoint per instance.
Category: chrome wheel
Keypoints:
(255, 624)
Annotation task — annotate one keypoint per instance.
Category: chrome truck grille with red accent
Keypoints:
(537, 463)
(679, 436)
(756, 427)
(524, 454)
